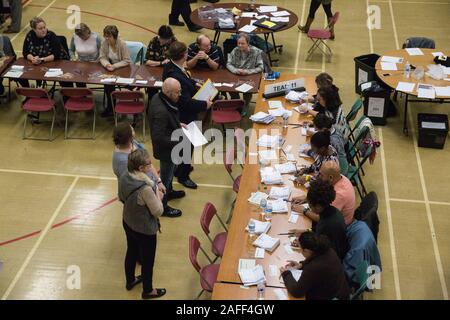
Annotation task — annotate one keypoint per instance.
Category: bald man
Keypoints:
(164, 118)
(345, 200)
(204, 54)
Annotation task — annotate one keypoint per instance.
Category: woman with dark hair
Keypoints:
(188, 107)
(141, 212)
(320, 197)
(156, 54)
(321, 151)
(322, 277)
(315, 4)
(113, 55)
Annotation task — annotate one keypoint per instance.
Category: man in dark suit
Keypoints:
(188, 107)
(164, 120)
(182, 7)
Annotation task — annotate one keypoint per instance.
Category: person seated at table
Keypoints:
(189, 107)
(331, 223)
(6, 50)
(85, 45)
(345, 200)
(41, 45)
(113, 55)
(203, 54)
(323, 79)
(323, 276)
(324, 123)
(156, 54)
(322, 151)
(245, 59)
(329, 103)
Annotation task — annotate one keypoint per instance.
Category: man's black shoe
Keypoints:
(136, 281)
(171, 212)
(176, 23)
(194, 28)
(188, 183)
(175, 195)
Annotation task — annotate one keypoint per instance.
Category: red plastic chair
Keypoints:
(129, 102)
(36, 100)
(227, 111)
(319, 36)
(208, 274)
(241, 145)
(78, 100)
(218, 243)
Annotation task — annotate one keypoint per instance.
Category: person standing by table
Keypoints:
(189, 108)
(244, 60)
(182, 7)
(141, 211)
(16, 16)
(113, 55)
(203, 54)
(315, 4)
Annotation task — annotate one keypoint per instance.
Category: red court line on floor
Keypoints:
(98, 15)
(59, 224)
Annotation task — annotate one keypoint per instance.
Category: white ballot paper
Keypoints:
(206, 92)
(256, 197)
(248, 28)
(283, 13)
(251, 277)
(414, 51)
(391, 59)
(266, 242)
(388, 66)
(125, 80)
(194, 135)
(260, 227)
(244, 88)
(405, 86)
(280, 193)
(426, 91)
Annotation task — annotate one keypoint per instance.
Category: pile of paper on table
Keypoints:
(262, 117)
(266, 242)
(280, 193)
(270, 176)
(260, 227)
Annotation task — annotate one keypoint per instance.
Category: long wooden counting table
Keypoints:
(239, 243)
(229, 291)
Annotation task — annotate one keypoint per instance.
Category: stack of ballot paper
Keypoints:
(414, 51)
(278, 206)
(279, 112)
(267, 155)
(426, 91)
(391, 59)
(251, 277)
(269, 141)
(280, 193)
(260, 227)
(275, 104)
(304, 107)
(226, 23)
(53, 73)
(262, 117)
(270, 176)
(294, 96)
(442, 91)
(248, 28)
(244, 87)
(14, 72)
(283, 13)
(256, 197)
(285, 168)
(266, 9)
(279, 19)
(266, 242)
(125, 80)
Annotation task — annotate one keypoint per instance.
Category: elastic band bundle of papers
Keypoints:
(266, 242)
(269, 141)
(270, 176)
(253, 276)
(260, 227)
(262, 117)
(280, 193)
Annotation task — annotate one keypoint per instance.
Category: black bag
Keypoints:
(442, 60)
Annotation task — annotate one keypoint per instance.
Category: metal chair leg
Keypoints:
(53, 123)
(199, 295)
(143, 127)
(65, 127)
(93, 124)
(25, 126)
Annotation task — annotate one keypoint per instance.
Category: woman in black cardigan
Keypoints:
(322, 276)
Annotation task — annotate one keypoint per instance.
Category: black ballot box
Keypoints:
(433, 130)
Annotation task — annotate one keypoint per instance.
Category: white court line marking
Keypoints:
(389, 218)
(38, 15)
(43, 173)
(299, 38)
(299, 69)
(39, 240)
(421, 201)
(422, 182)
(370, 29)
(412, 2)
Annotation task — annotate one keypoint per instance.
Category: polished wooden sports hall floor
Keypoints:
(71, 181)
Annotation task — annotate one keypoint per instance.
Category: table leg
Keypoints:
(275, 47)
(216, 37)
(405, 120)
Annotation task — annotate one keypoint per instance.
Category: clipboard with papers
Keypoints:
(206, 92)
(270, 25)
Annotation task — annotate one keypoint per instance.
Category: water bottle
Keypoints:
(268, 212)
(261, 289)
(407, 70)
(263, 204)
(285, 120)
(251, 228)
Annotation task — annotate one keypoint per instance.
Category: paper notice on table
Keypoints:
(388, 66)
(280, 294)
(248, 14)
(158, 84)
(206, 92)
(13, 74)
(391, 59)
(248, 28)
(194, 135)
(16, 67)
(141, 81)
(442, 91)
(437, 54)
(108, 80)
(125, 80)
(405, 86)
(425, 91)
(275, 104)
(279, 206)
(283, 13)
(53, 74)
(244, 88)
(230, 85)
(262, 17)
(266, 9)
(268, 155)
(279, 19)
(414, 51)
(259, 253)
(270, 176)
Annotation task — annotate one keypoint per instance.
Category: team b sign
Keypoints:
(284, 86)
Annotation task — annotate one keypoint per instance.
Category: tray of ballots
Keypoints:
(262, 117)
